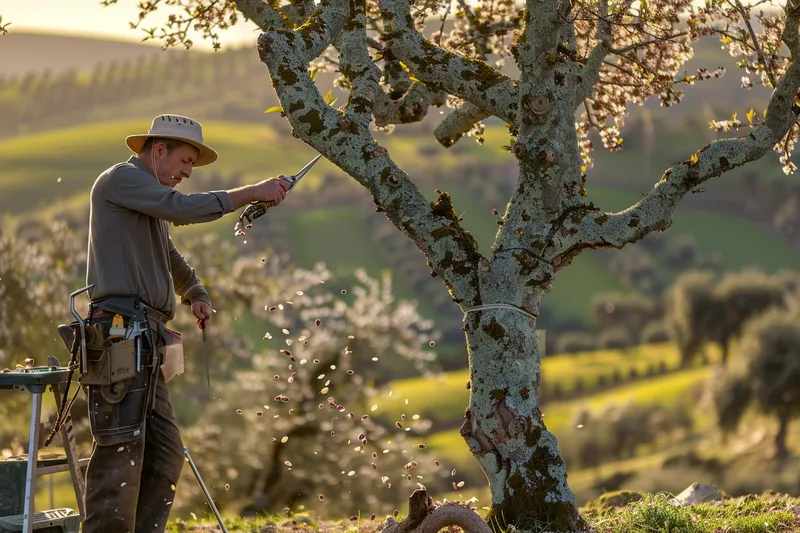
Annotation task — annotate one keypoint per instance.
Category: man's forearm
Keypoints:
(241, 196)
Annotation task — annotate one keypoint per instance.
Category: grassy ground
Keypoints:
(649, 514)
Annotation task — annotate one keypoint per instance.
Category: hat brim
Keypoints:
(205, 156)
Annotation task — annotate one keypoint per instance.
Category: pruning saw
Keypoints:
(257, 209)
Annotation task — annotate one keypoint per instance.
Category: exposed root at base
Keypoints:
(426, 517)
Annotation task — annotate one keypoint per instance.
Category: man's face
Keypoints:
(176, 165)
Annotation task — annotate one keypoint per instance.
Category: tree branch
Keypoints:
(357, 66)
(470, 79)
(746, 19)
(261, 14)
(348, 143)
(412, 107)
(458, 123)
(654, 211)
(590, 73)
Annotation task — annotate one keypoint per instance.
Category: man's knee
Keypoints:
(174, 463)
(166, 445)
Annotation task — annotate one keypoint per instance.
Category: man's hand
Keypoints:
(202, 311)
(271, 191)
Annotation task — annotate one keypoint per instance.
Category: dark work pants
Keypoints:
(130, 487)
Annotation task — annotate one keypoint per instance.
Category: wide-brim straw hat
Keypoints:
(175, 127)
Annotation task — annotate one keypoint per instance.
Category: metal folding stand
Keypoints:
(36, 380)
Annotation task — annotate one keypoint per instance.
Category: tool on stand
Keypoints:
(258, 209)
(205, 490)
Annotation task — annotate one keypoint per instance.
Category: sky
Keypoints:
(89, 17)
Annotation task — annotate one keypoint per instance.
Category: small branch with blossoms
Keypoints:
(777, 129)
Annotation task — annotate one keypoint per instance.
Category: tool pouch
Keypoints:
(119, 396)
(118, 412)
(114, 363)
(173, 354)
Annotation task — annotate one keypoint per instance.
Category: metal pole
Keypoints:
(205, 490)
(33, 459)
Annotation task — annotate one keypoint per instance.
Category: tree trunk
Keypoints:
(504, 427)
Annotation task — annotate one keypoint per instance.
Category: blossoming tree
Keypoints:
(580, 63)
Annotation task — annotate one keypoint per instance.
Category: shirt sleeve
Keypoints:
(133, 189)
(187, 285)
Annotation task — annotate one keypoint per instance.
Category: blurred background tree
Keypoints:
(767, 373)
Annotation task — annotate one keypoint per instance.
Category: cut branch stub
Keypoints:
(426, 517)
(394, 178)
(344, 124)
(540, 104)
(537, 105)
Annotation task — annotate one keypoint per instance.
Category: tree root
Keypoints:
(426, 517)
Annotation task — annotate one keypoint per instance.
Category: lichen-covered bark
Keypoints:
(548, 189)
(260, 13)
(504, 427)
(411, 107)
(458, 123)
(590, 74)
(470, 79)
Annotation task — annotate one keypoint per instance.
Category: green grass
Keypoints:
(740, 243)
(653, 513)
(338, 234)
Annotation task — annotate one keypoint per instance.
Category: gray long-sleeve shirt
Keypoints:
(130, 250)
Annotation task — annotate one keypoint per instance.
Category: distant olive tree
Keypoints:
(695, 316)
(594, 58)
(767, 376)
(710, 309)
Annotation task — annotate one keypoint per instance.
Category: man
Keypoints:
(131, 486)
